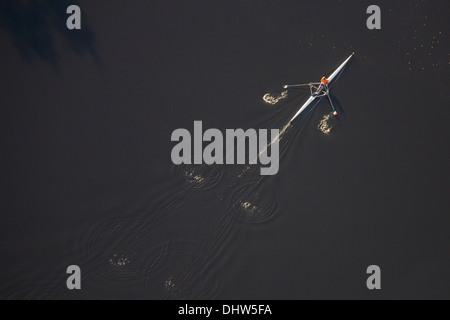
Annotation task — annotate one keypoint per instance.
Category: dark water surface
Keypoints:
(87, 177)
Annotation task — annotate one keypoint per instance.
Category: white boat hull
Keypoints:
(330, 78)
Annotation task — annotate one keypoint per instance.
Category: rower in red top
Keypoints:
(323, 86)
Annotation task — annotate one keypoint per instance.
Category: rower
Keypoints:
(320, 91)
(323, 86)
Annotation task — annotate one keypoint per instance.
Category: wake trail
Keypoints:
(277, 138)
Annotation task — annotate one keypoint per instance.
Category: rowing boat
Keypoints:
(314, 96)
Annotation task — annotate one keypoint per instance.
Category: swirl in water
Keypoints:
(268, 98)
(324, 124)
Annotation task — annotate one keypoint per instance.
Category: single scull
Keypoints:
(318, 92)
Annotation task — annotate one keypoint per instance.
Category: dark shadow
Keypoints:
(35, 26)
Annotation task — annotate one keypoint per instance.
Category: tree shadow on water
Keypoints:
(35, 26)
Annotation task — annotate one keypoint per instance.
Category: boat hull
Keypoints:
(330, 78)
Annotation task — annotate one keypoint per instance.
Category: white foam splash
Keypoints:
(268, 98)
(249, 207)
(324, 125)
(193, 177)
(120, 261)
(169, 284)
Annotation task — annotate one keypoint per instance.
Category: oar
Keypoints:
(332, 107)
